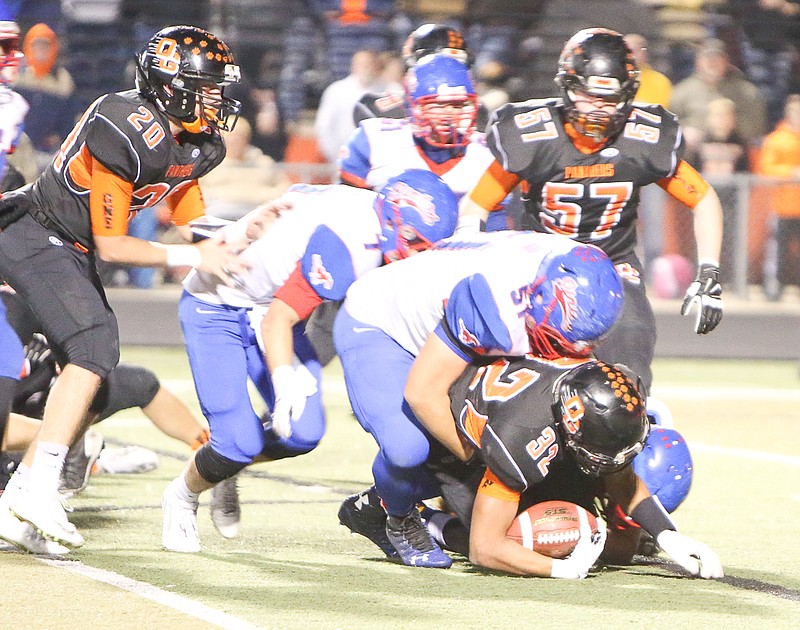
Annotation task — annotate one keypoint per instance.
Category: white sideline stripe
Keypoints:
(148, 591)
(743, 453)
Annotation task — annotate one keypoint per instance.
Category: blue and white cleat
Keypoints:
(414, 544)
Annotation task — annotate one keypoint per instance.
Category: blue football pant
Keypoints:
(224, 355)
(375, 373)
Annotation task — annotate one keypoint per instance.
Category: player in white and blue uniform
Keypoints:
(438, 134)
(428, 317)
(13, 109)
(312, 253)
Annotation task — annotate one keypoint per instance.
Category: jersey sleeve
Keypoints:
(661, 154)
(109, 201)
(472, 324)
(298, 294)
(491, 485)
(327, 264)
(186, 202)
(354, 159)
(513, 129)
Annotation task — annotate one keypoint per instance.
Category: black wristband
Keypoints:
(651, 516)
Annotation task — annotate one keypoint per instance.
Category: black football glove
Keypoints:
(706, 293)
(38, 351)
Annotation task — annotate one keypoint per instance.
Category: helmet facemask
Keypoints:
(10, 55)
(444, 121)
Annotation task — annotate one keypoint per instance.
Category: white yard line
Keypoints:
(148, 591)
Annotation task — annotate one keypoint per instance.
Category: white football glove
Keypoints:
(292, 387)
(585, 554)
(694, 556)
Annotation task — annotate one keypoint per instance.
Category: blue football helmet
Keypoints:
(665, 466)
(415, 209)
(442, 101)
(577, 298)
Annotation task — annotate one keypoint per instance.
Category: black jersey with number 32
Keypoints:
(504, 409)
(593, 197)
(132, 139)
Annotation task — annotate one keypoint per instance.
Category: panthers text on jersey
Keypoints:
(129, 137)
(382, 148)
(590, 197)
(330, 235)
(481, 284)
(505, 410)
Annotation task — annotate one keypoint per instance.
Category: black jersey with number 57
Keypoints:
(591, 197)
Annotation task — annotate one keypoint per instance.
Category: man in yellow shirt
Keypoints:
(654, 87)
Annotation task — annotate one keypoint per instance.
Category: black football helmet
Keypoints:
(598, 62)
(601, 416)
(182, 66)
(430, 39)
(10, 54)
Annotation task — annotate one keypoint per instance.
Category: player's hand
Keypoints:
(585, 554)
(705, 293)
(260, 219)
(292, 388)
(38, 351)
(221, 260)
(694, 556)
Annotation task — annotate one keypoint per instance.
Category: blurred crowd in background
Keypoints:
(730, 69)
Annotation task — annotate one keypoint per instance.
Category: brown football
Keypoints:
(551, 528)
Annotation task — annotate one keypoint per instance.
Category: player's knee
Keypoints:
(95, 349)
(131, 386)
(214, 467)
(406, 454)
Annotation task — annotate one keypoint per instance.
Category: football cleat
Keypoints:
(226, 511)
(23, 536)
(179, 531)
(128, 460)
(78, 464)
(414, 545)
(46, 512)
(363, 514)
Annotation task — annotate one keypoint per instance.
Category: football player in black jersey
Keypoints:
(129, 151)
(546, 430)
(581, 160)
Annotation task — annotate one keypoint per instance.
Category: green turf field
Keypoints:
(294, 567)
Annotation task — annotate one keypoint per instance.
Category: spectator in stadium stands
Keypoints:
(780, 157)
(353, 25)
(767, 31)
(334, 122)
(722, 153)
(716, 77)
(50, 91)
(654, 87)
(244, 179)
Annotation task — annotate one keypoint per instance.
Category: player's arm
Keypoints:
(109, 206)
(632, 495)
(354, 161)
(494, 510)
(427, 392)
(689, 187)
(487, 195)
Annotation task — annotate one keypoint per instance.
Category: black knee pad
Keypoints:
(126, 386)
(95, 349)
(214, 467)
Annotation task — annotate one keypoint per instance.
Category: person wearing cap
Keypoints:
(715, 77)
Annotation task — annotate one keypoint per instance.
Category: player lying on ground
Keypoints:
(499, 293)
(547, 430)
